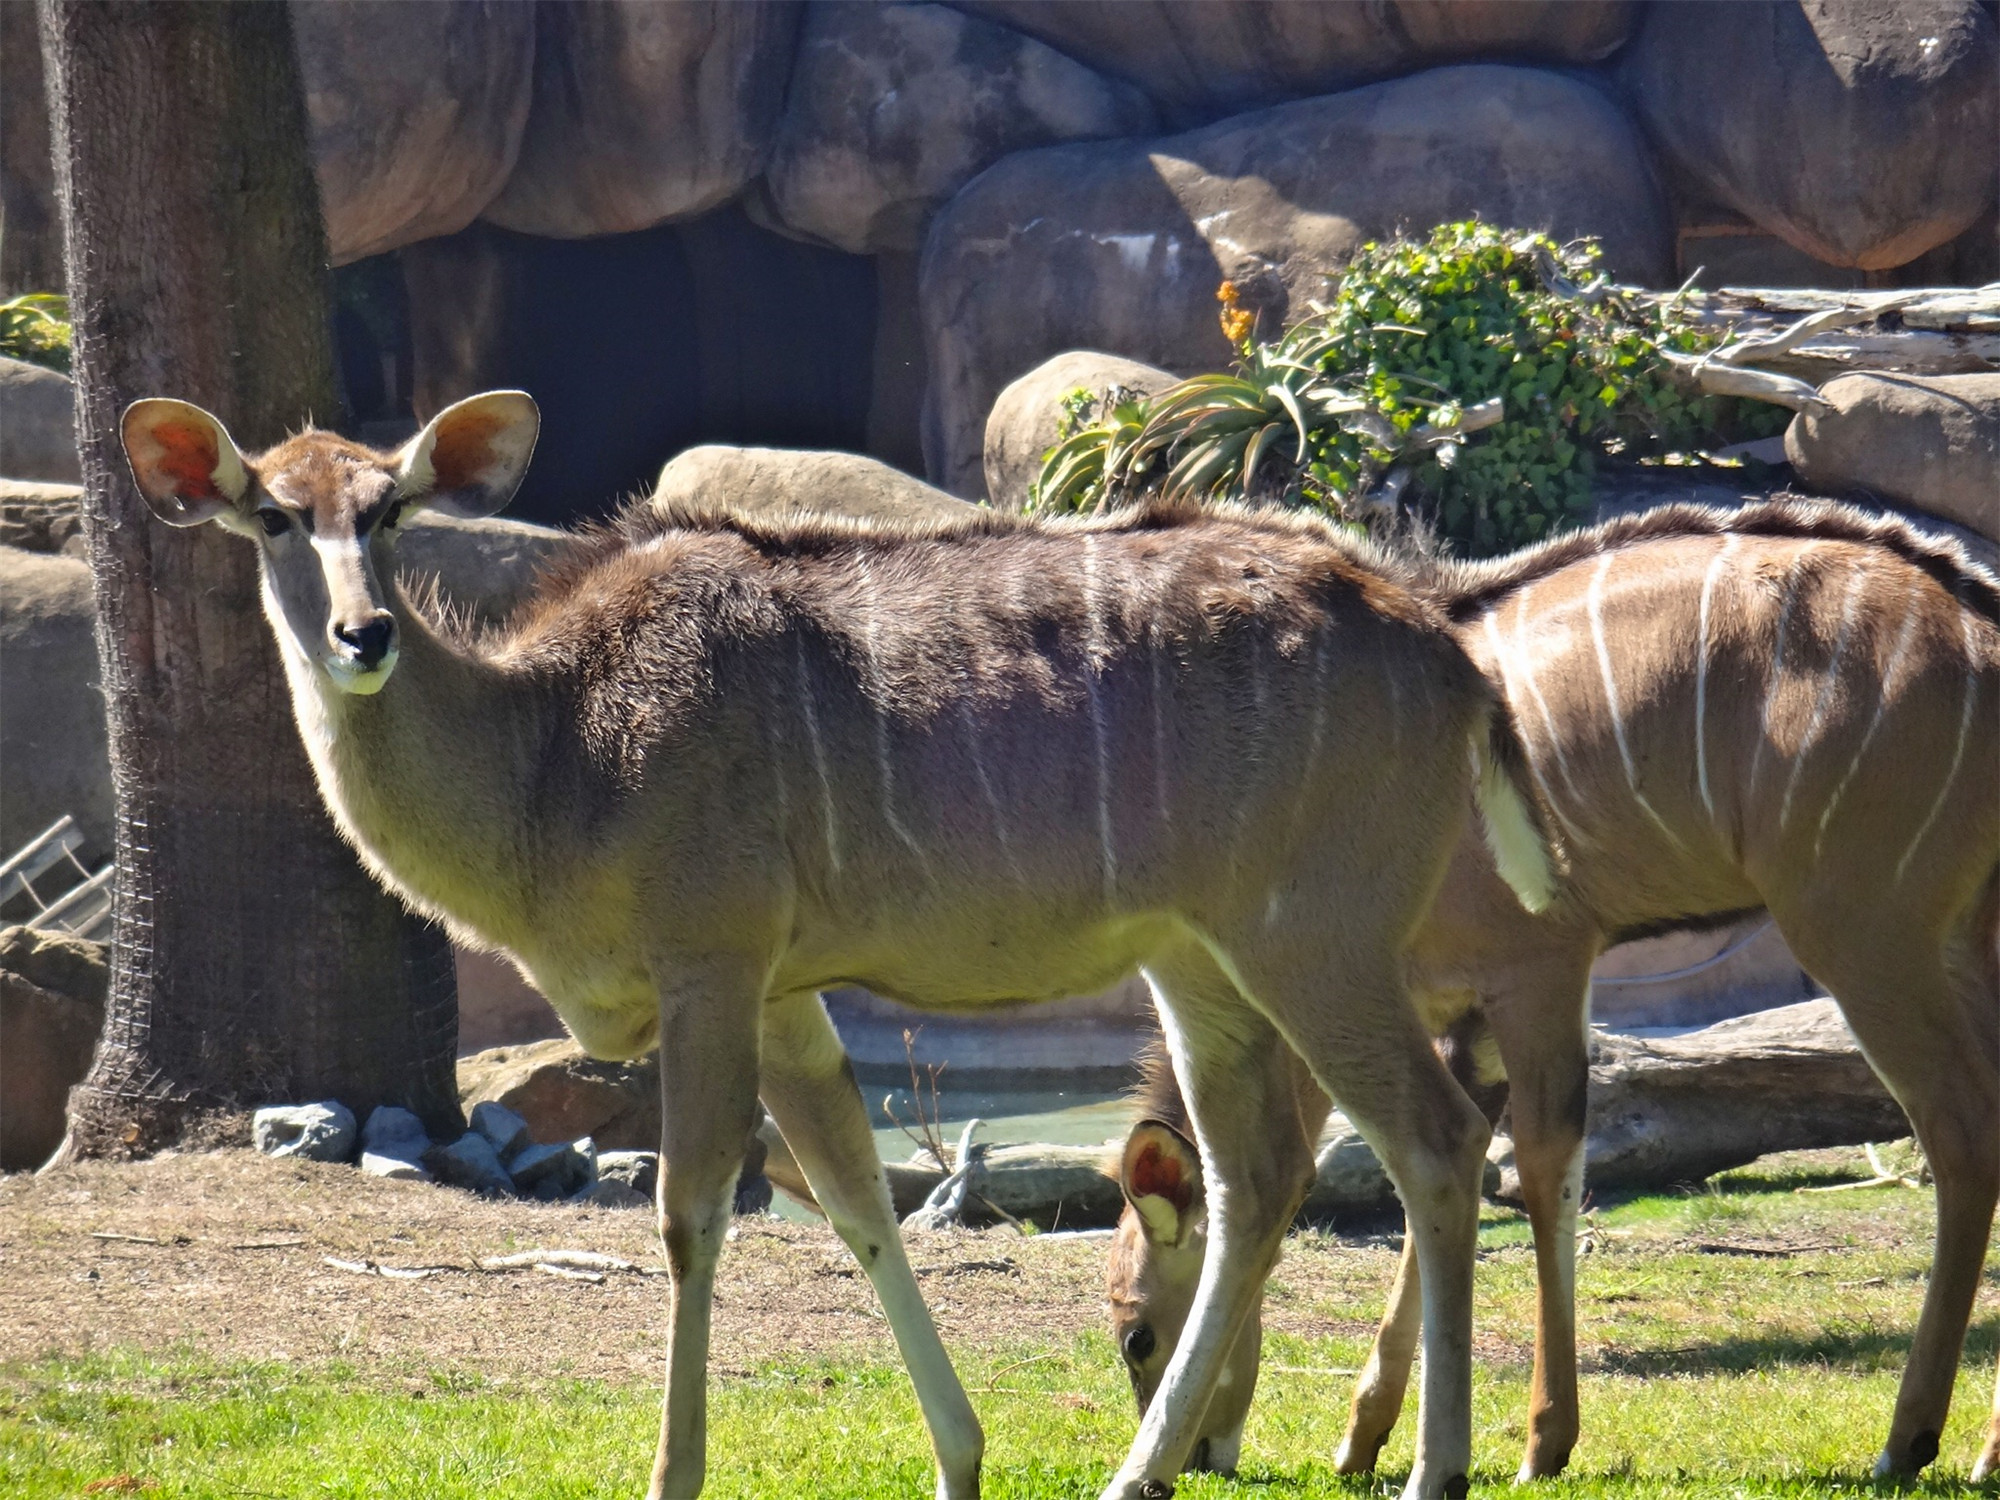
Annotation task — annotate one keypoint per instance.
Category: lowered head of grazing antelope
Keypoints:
(719, 763)
(324, 511)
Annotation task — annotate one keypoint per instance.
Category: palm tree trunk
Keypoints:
(252, 958)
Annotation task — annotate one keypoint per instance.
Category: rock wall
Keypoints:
(1032, 146)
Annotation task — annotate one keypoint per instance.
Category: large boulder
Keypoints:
(893, 108)
(1026, 421)
(37, 423)
(416, 112)
(1864, 132)
(1204, 58)
(1121, 245)
(52, 737)
(563, 1094)
(52, 990)
(782, 481)
(39, 515)
(1928, 441)
(485, 567)
(645, 112)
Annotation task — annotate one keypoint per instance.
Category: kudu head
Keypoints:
(1155, 1267)
(323, 511)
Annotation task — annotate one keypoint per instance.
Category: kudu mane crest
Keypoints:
(1464, 588)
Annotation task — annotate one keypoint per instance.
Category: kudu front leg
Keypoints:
(808, 1086)
(1241, 1090)
(708, 1106)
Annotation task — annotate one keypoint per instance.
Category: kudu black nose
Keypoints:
(369, 641)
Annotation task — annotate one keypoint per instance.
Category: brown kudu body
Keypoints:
(716, 765)
(1792, 706)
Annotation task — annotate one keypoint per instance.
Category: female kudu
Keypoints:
(716, 765)
(1792, 705)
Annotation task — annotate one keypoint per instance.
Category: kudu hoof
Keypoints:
(1357, 1455)
(1920, 1451)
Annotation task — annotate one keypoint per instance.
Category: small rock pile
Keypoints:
(496, 1157)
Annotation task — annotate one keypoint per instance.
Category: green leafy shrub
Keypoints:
(1478, 374)
(35, 327)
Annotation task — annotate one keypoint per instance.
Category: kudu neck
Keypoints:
(424, 777)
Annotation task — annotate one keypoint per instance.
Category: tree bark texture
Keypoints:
(254, 960)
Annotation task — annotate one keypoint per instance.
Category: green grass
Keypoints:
(1707, 1374)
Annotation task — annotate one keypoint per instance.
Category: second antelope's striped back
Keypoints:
(1767, 689)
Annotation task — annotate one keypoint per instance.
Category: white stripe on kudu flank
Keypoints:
(1701, 673)
(1958, 750)
(1883, 692)
(884, 759)
(1594, 602)
(1828, 685)
(1160, 798)
(1096, 650)
(819, 755)
(1491, 622)
(1777, 669)
(1525, 663)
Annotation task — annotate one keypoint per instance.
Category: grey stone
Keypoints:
(504, 1130)
(392, 1131)
(470, 1162)
(53, 742)
(1928, 441)
(787, 481)
(559, 1169)
(1200, 59)
(1862, 132)
(416, 111)
(638, 1170)
(1121, 245)
(37, 423)
(1027, 417)
(395, 1168)
(325, 1131)
(611, 1192)
(644, 113)
(893, 108)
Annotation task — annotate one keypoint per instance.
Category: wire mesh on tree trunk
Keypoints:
(253, 959)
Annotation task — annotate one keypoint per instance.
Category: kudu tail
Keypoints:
(1523, 851)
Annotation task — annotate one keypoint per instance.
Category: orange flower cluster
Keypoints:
(1238, 321)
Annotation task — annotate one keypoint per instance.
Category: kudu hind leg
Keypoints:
(1358, 1031)
(708, 1099)
(1241, 1087)
(1936, 1053)
(1385, 1379)
(809, 1088)
(1541, 1022)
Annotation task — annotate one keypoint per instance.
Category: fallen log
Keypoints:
(1671, 1110)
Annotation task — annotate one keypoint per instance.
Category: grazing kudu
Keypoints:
(1791, 705)
(715, 765)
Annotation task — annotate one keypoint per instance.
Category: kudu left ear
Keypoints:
(1161, 1178)
(469, 459)
(183, 460)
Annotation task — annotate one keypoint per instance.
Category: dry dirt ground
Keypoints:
(228, 1252)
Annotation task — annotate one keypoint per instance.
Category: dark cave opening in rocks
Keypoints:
(636, 346)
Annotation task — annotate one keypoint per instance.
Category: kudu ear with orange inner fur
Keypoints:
(183, 460)
(1160, 1176)
(470, 457)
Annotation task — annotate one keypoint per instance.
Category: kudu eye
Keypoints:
(392, 515)
(274, 521)
(1140, 1344)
